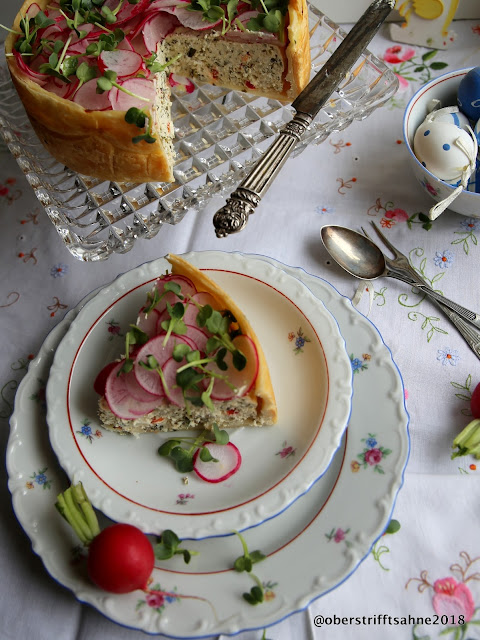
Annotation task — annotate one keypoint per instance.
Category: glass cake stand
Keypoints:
(219, 135)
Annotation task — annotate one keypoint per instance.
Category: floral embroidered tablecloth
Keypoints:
(427, 564)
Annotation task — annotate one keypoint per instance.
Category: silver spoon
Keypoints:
(361, 257)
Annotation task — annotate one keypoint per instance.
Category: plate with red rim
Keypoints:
(124, 476)
(310, 548)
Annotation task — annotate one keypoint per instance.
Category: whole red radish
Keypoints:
(475, 402)
(120, 559)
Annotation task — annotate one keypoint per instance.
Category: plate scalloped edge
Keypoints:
(260, 506)
(30, 505)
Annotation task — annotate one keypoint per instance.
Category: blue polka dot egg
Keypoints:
(444, 149)
(468, 94)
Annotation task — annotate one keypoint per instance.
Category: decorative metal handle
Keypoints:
(413, 279)
(470, 334)
(233, 216)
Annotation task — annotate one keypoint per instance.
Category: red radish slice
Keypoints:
(88, 98)
(243, 380)
(198, 336)
(123, 62)
(125, 45)
(229, 461)
(149, 379)
(148, 323)
(59, 88)
(156, 28)
(158, 5)
(32, 10)
(119, 400)
(183, 82)
(137, 392)
(142, 87)
(173, 392)
(139, 45)
(101, 379)
(127, 10)
(193, 19)
(187, 289)
(52, 32)
(39, 78)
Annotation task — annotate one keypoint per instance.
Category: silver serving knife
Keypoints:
(233, 217)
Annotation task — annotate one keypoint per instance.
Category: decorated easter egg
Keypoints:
(476, 131)
(444, 149)
(452, 115)
(468, 94)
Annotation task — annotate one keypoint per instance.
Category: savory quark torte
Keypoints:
(94, 76)
(192, 360)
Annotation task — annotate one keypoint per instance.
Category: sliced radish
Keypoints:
(101, 379)
(228, 462)
(187, 286)
(156, 28)
(175, 80)
(139, 45)
(148, 323)
(125, 45)
(32, 10)
(119, 399)
(149, 379)
(127, 10)
(198, 336)
(88, 98)
(138, 392)
(124, 62)
(59, 88)
(52, 32)
(158, 5)
(194, 19)
(143, 90)
(173, 392)
(242, 380)
(39, 78)
(187, 289)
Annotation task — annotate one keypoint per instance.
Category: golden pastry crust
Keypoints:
(263, 390)
(95, 143)
(298, 48)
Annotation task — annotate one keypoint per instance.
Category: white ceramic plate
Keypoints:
(312, 547)
(126, 478)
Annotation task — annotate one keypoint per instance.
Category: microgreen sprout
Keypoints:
(271, 18)
(141, 119)
(175, 323)
(168, 546)
(182, 456)
(155, 66)
(29, 28)
(134, 336)
(154, 298)
(219, 325)
(245, 562)
(151, 363)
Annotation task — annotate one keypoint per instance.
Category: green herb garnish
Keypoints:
(134, 336)
(182, 455)
(167, 547)
(245, 562)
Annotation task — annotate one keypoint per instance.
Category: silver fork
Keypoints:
(455, 312)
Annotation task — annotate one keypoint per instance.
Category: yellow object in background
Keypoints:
(426, 23)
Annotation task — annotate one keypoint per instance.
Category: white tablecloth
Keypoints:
(355, 176)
